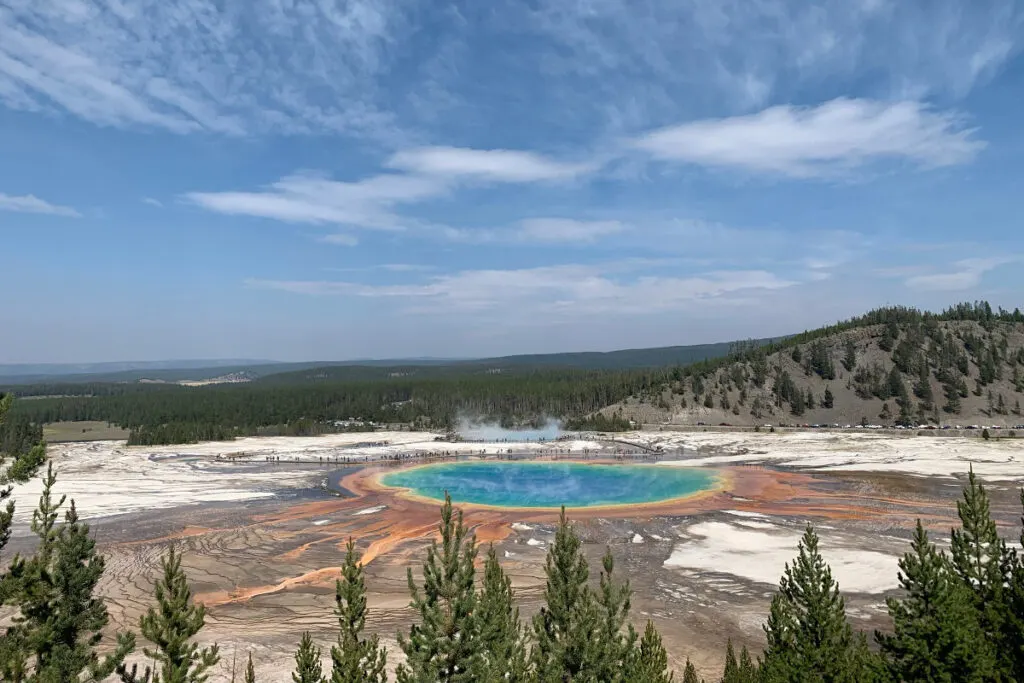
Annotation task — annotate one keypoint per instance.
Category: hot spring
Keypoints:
(551, 484)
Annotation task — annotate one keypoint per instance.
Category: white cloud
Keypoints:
(230, 67)
(308, 198)
(563, 289)
(371, 202)
(501, 165)
(32, 204)
(832, 137)
(368, 67)
(565, 230)
(693, 53)
(340, 239)
(965, 274)
(152, 202)
(533, 231)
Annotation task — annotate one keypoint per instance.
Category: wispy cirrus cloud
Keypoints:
(232, 67)
(812, 141)
(743, 54)
(565, 289)
(340, 239)
(537, 231)
(366, 67)
(32, 204)
(963, 274)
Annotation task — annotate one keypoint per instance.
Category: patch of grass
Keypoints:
(61, 432)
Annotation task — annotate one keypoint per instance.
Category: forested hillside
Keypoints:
(311, 403)
(892, 366)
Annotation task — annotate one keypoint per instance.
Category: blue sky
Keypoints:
(327, 179)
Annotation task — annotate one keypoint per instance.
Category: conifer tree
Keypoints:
(742, 671)
(308, 668)
(731, 670)
(748, 670)
(15, 468)
(690, 673)
(250, 672)
(501, 635)
(979, 559)
(615, 641)
(60, 619)
(1014, 627)
(444, 647)
(354, 659)
(170, 627)
(564, 644)
(936, 636)
(809, 638)
(650, 664)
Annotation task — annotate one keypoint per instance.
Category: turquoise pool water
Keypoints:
(551, 484)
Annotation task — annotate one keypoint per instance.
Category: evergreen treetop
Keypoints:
(170, 626)
(250, 671)
(564, 643)
(980, 559)
(354, 659)
(936, 636)
(308, 667)
(502, 641)
(809, 638)
(650, 663)
(444, 646)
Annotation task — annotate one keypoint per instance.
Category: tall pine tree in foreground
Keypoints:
(354, 659)
(937, 637)
(308, 668)
(1014, 627)
(747, 672)
(809, 638)
(502, 641)
(445, 646)
(170, 627)
(981, 560)
(15, 468)
(742, 671)
(615, 639)
(250, 671)
(650, 663)
(690, 673)
(60, 620)
(731, 672)
(565, 647)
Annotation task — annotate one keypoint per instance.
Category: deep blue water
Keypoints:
(551, 484)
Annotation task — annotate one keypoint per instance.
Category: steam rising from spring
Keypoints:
(478, 430)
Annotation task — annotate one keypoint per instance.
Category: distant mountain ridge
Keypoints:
(201, 370)
(60, 369)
